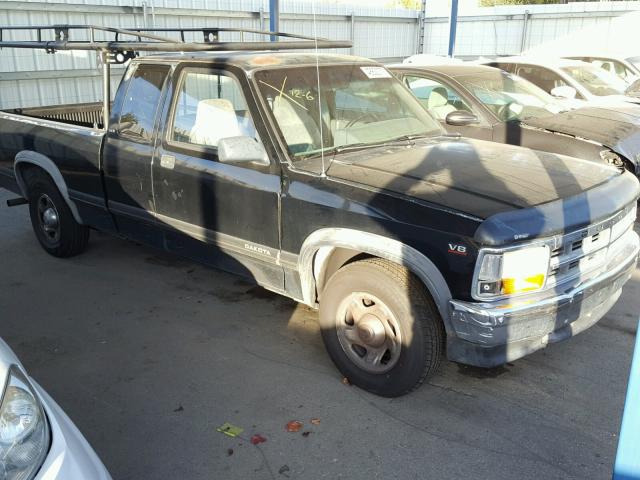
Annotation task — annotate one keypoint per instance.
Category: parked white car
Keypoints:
(635, 61)
(572, 80)
(618, 66)
(424, 59)
(37, 439)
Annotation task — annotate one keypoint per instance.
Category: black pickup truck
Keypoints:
(322, 178)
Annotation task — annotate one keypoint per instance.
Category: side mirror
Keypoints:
(565, 91)
(241, 150)
(461, 118)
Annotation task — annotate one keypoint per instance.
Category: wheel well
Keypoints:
(328, 260)
(39, 164)
(629, 167)
(316, 262)
(23, 171)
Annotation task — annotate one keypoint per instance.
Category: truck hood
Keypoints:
(617, 129)
(471, 176)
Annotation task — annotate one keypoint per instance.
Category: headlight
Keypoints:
(511, 272)
(24, 431)
(612, 158)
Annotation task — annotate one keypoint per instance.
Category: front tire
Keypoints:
(53, 223)
(381, 327)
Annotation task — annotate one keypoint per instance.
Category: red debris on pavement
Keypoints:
(294, 426)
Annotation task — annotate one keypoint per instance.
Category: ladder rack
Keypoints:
(53, 38)
(117, 45)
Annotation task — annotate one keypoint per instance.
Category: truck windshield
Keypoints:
(598, 81)
(344, 107)
(510, 97)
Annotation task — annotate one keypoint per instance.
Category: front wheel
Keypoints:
(381, 327)
(53, 223)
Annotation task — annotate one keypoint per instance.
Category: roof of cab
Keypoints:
(451, 70)
(540, 61)
(250, 61)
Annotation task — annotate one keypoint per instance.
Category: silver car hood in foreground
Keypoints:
(7, 358)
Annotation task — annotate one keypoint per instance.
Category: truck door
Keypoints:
(223, 214)
(129, 150)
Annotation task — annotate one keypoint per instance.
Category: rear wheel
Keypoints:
(381, 327)
(53, 223)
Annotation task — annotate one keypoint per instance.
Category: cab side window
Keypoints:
(435, 96)
(612, 66)
(140, 105)
(542, 77)
(209, 107)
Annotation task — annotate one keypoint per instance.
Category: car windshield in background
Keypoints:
(635, 61)
(613, 66)
(596, 80)
(510, 97)
(356, 105)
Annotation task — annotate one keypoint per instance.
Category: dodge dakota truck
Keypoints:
(321, 177)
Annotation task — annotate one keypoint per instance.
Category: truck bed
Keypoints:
(62, 141)
(81, 114)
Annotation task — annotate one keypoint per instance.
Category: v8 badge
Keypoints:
(457, 249)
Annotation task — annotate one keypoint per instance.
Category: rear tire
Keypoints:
(381, 327)
(53, 223)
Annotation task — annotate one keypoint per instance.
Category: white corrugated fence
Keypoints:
(31, 78)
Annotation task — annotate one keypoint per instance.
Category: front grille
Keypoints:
(583, 253)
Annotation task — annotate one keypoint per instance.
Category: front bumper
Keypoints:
(70, 457)
(491, 334)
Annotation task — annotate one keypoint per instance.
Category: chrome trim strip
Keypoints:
(222, 240)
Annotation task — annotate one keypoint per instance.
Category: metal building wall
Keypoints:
(32, 78)
(508, 30)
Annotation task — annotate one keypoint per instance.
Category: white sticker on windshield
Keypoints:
(376, 72)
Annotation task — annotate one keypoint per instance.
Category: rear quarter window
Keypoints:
(140, 105)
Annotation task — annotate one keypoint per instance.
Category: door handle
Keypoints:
(167, 161)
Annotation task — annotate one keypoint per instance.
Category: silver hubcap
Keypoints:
(368, 332)
(48, 216)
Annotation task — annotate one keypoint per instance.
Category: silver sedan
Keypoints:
(37, 439)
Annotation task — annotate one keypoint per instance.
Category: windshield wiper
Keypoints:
(391, 141)
(410, 137)
(360, 145)
(356, 146)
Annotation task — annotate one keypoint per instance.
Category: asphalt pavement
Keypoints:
(149, 354)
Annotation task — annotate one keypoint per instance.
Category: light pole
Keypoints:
(453, 22)
(274, 18)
